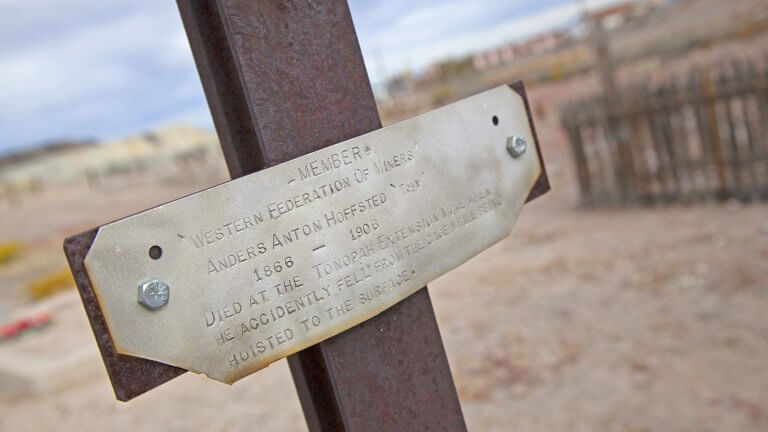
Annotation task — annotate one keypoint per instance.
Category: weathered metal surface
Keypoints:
(376, 375)
(273, 262)
(130, 376)
(542, 183)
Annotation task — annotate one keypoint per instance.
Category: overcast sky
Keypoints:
(101, 69)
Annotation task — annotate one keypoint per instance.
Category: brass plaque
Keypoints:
(230, 279)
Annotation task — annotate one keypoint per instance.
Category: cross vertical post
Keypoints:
(283, 79)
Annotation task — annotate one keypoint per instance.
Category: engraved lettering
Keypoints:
(265, 264)
(333, 161)
(398, 160)
(338, 217)
(280, 208)
(228, 229)
(212, 317)
(225, 336)
(289, 285)
(251, 351)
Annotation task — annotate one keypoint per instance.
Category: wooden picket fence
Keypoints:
(700, 139)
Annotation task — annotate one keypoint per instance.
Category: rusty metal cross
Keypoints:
(282, 79)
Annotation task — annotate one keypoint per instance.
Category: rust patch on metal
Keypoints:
(123, 370)
(542, 183)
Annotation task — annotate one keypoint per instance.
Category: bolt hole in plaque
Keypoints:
(495, 120)
(155, 252)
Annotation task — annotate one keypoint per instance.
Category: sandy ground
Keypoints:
(583, 320)
(620, 321)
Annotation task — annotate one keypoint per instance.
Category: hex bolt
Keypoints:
(516, 146)
(154, 294)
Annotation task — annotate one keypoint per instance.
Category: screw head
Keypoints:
(516, 146)
(154, 294)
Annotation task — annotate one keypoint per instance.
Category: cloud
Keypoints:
(96, 68)
(420, 36)
(107, 71)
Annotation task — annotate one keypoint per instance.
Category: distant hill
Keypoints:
(46, 149)
(69, 161)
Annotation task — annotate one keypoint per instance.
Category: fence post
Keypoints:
(644, 192)
(745, 86)
(668, 139)
(573, 128)
(709, 92)
(734, 153)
